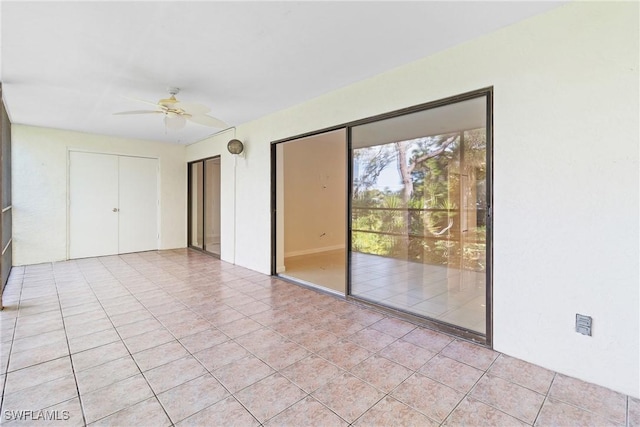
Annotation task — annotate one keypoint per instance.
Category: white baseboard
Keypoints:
(313, 251)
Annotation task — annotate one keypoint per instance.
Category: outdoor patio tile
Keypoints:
(99, 355)
(240, 327)
(68, 412)
(520, 372)
(227, 413)
(311, 373)
(97, 339)
(431, 398)
(260, 340)
(391, 412)
(508, 397)
(345, 354)
(41, 395)
(428, 339)
(604, 402)
(174, 373)
(471, 354)
(37, 355)
(184, 329)
(160, 355)
(37, 374)
(307, 412)
(363, 316)
(203, 339)
(315, 339)
(456, 375)
(220, 355)
(83, 329)
(282, 354)
(30, 329)
(115, 397)
(407, 354)
(381, 373)
(146, 413)
(269, 397)
(395, 327)
(108, 373)
(473, 412)
(348, 396)
(131, 317)
(138, 328)
(253, 307)
(371, 339)
(286, 342)
(556, 413)
(191, 397)
(84, 317)
(242, 373)
(148, 340)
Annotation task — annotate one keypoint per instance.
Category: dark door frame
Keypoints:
(204, 205)
(484, 339)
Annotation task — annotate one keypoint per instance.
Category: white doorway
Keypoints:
(113, 204)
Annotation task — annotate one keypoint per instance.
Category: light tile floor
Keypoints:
(326, 269)
(438, 292)
(448, 294)
(180, 338)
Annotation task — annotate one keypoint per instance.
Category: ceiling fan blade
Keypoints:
(193, 109)
(174, 121)
(137, 112)
(155, 104)
(205, 120)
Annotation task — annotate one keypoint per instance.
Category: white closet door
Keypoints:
(138, 196)
(93, 204)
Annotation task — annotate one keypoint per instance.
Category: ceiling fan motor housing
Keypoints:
(176, 113)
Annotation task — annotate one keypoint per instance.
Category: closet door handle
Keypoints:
(115, 210)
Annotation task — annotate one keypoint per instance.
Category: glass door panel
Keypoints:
(418, 213)
(311, 196)
(212, 206)
(196, 211)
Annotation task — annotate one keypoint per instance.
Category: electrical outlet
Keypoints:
(583, 324)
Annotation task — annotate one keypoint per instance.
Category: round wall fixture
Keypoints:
(235, 146)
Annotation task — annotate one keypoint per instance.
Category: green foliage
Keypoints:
(432, 216)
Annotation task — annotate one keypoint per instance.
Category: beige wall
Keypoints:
(566, 178)
(40, 188)
(314, 193)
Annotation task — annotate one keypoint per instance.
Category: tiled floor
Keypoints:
(180, 338)
(326, 269)
(449, 294)
(445, 293)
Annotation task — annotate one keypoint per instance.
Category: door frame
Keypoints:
(204, 205)
(274, 214)
(483, 339)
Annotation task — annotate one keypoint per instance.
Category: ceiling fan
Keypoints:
(177, 113)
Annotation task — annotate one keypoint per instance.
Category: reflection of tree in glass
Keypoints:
(423, 220)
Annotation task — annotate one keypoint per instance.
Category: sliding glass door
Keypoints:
(311, 197)
(204, 205)
(419, 213)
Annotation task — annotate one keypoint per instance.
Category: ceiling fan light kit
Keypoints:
(177, 113)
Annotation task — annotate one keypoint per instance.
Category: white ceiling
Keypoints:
(70, 65)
